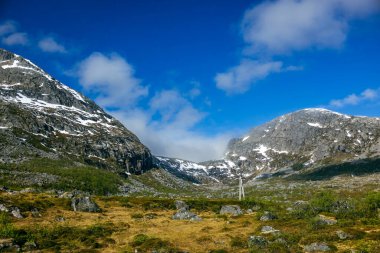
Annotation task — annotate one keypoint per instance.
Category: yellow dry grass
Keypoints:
(212, 232)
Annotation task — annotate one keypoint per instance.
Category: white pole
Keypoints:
(240, 187)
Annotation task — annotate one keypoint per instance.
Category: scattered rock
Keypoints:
(35, 213)
(257, 241)
(181, 205)
(60, 218)
(269, 230)
(324, 220)
(15, 211)
(233, 210)
(29, 246)
(268, 216)
(343, 235)
(3, 208)
(317, 247)
(28, 190)
(8, 246)
(255, 208)
(186, 215)
(84, 204)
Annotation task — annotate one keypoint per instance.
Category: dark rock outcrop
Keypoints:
(84, 204)
(233, 210)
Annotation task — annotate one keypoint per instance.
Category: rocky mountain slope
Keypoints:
(41, 117)
(297, 141)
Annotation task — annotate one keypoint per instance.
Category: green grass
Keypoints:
(70, 176)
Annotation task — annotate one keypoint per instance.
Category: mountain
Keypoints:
(298, 141)
(41, 117)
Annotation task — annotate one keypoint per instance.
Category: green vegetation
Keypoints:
(66, 175)
(148, 244)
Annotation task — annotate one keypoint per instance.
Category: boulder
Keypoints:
(84, 204)
(186, 215)
(257, 241)
(3, 208)
(35, 213)
(343, 235)
(317, 247)
(15, 211)
(233, 210)
(181, 205)
(268, 216)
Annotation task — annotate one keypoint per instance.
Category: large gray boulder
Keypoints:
(233, 210)
(84, 204)
(183, 212)
(317, 247)
(267, 216)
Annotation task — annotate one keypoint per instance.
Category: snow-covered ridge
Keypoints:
(14, 63)
(17, 64)
(84, 118)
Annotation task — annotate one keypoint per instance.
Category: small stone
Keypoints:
(257, 241)
(324, 220)
(269, 230)
(3, 208)
(15, 211)
(30, 245)
(35, 213)
(60, 218)
(233, 210)
(268, 216)
(317, 247)
(342, 235)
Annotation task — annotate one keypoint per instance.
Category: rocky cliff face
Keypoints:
(308, 138)
(305, 138)
(41, 117)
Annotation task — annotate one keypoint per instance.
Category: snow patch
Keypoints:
(245, 138)
(315, 125)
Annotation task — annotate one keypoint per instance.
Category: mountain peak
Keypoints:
(43, 117)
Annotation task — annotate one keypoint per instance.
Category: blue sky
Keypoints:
(186, 76)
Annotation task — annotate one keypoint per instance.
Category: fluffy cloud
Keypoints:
(287, 25)
(166, 125)
(355, 99)
(176, 138)
(239, 78)
(50, 45)
(278, 28)
(111, 77)
(16, 39)
(7, 27)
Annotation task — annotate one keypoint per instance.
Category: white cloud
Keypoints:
(112, 79)
(176, 138)
(50, 45)
(283, 26)
(7, 27)
(239, 78)
(166, 125)
(16, 39)
(355, 99)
